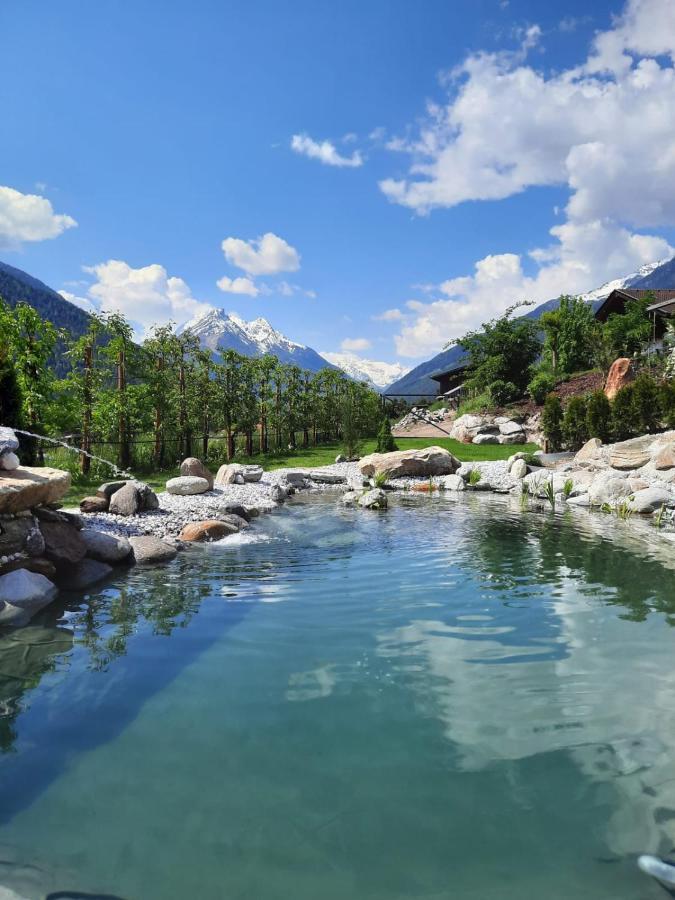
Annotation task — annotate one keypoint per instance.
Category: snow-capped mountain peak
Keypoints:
(376, 374)
(218, 331)
(626, 281)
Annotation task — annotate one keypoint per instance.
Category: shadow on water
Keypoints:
(120, 632)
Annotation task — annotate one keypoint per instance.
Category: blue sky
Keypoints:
(459, 133)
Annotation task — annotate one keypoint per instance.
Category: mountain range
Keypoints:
(377, 374)
(218, 330)
(417, 382)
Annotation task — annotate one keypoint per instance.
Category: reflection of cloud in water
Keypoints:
(609, 701)
(312, 685)
(262, 592)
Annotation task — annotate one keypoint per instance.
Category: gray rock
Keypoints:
(194, 466)
(149, 550)
(410, 463)
(326, 477)
(239, 478)
(94, 504)
(187, 485)
(15, 535)
(109, 488)
(518, 468)
(106, 547)
(375, 499)
(608, 489)
(465, 471)
(238, 522)
(148, 498)
(350, 498)
(297, 479)
(650, 500)
(8, 440)
(518, 437)
(278, 493)
(252, 473)
(84, 574)
(126, 501)
(485, 439)
(510, 427)
(235, 509)
(579, 500)
(22, 594)
(340, 458)
(9, 461)
(227, 474)
(63, 543)
(454, 483)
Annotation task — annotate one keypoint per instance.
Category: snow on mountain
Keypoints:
(219, 331)
(627, 281)
(376, 374)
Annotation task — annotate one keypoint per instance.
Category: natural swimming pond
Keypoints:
(446, 700)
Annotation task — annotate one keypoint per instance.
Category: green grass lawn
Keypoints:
(313, 457)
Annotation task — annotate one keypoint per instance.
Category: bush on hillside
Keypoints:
(667, 403)
(645, 403)
(551, 422)
(599, 416)
(623, 414)
(502, 392)
(540, 386)
(574, 427)
(385, 439)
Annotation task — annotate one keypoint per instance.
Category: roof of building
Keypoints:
(619, 296)
(452, 370)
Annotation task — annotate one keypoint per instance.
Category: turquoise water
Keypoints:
(446, 700)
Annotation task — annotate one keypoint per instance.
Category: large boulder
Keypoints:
(135, 497)
(26, 487)
(402, 463)
(106, 547)
(230, 473)
(665, 458)
(516, 437)
(84, 574)
(9, 442)
(64, 545)
(321, 477)
(22, 594)
(609, 488)
(186, 485)
(149, 550)
(510, 427)
(485, 438)
(650, 499)
(295, 479)
(631, 454)
(195, 467)
(591, 452)
(518, 469)
(620, 374)
(208, 530)
(252, 473)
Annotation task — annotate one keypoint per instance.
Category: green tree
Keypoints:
(85, 381)
(31, 342)
(599, 416)
(645, 403)
(626, 332)
(574, 424)
(385, 439)
(551, 422)
(500, 355)
(10, 394)
(569, 335)
(624, 424)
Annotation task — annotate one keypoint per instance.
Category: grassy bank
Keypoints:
(313, 457)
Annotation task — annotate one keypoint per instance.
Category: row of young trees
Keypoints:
(644, 406)
(170, 391)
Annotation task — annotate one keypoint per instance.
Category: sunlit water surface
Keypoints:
(446, 700)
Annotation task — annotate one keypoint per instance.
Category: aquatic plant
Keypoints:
(474, 477)
(568, 487)
(549, 493)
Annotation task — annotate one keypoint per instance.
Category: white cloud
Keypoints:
(389, 315)
(602, 129)
(355, 344)
(83, 302)
(506, 127)
(29, 217)
(582, 257)
(266, 255)
(324, 151)
(238, 286)
(146, 296)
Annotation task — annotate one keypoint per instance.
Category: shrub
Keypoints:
(623, 414)
(645, 403)
(540, 386)
(551, 422)
(599, 416)
(574, 427)
(474, 477)
(385, 439)
(667, 403)
(502, 392)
